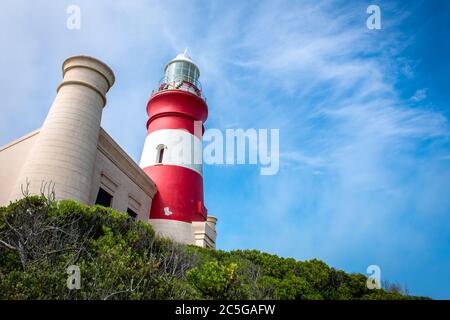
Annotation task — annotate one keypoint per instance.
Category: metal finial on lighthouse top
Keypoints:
(185, 56)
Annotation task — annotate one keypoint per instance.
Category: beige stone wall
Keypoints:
(202, 234)
(205, 233)
(177, 230)
(12, 158)
(66, 148)
(120, 176)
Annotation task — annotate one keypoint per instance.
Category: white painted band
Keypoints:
(181, 148)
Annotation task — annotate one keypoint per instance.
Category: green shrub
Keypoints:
(120, 258)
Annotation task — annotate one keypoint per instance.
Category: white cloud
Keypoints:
(420, 95)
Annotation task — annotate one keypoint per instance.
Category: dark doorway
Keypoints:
(131, 213)
(103, 198)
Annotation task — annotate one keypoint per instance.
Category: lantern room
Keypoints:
(181, 73)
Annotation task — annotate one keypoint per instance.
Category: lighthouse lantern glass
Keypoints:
(179, 71)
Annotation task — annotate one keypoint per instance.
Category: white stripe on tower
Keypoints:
(181, 148)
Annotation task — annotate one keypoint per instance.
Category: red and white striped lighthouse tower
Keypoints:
(172, 155)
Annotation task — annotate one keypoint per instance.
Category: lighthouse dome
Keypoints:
(182, 69)
(182, 57)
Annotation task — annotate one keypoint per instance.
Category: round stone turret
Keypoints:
(65, 150)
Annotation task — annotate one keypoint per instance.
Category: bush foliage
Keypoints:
(120, 258)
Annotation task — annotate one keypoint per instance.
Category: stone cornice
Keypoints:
(25, 137)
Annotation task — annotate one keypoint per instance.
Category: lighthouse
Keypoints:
(172, 155)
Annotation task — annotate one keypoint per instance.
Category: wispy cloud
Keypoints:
(419, 95)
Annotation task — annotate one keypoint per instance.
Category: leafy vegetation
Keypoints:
(120, 258)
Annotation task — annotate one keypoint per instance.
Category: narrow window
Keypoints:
(131, 213)
(160, 153)
(103, 198)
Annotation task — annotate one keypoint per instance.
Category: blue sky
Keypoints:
(363, 115)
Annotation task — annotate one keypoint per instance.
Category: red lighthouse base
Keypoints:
(180, 194)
